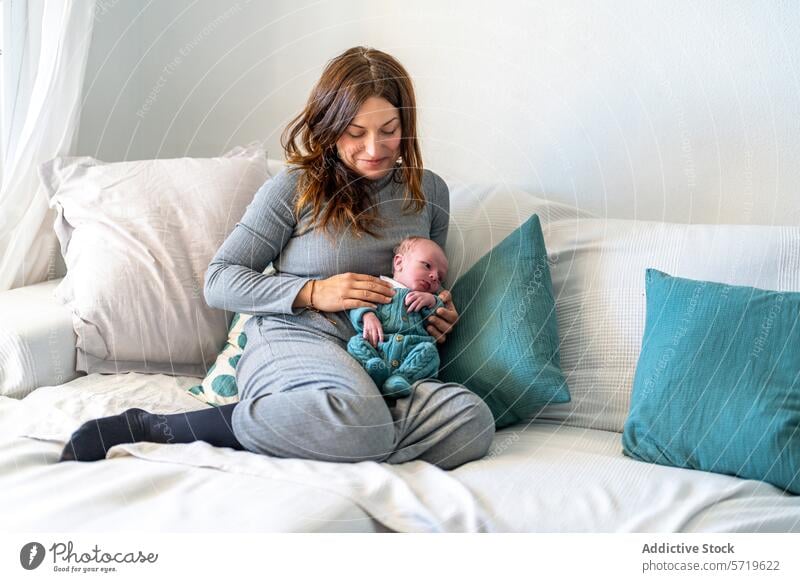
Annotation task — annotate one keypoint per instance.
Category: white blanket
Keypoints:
(41, 493)
(548, 477)
(541, 477)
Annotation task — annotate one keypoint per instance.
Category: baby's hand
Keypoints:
(373, 330)
(416, 300)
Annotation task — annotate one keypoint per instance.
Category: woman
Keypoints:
(354, 189)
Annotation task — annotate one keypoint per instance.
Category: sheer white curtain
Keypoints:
(45, 45)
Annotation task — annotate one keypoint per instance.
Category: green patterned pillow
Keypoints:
(219, 385)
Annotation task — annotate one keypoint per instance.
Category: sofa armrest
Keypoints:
(37, 342)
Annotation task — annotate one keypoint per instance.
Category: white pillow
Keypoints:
(599, 283)
(482, 215)
(137, 238)
(598, 268)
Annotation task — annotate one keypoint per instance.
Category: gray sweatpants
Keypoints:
(302, 395)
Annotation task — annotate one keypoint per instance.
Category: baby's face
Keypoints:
(422, 268)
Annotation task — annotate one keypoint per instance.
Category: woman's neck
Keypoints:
(380, 183)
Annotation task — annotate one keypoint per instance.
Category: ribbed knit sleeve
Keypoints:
(234, 280)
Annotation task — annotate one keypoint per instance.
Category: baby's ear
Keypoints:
(398, 262)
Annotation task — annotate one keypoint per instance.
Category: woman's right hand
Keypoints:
(348, 291)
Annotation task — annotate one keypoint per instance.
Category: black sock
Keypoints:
(93, 439)
(212, 425)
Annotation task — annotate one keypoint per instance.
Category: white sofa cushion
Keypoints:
(137, 238)
(598, 270)
(599, 281)
(37, 342)
(482, 215)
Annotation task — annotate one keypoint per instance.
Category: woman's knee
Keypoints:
(473, 429)
(366, 430)
(326, 425)
(479, 428)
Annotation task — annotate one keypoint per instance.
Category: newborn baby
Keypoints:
(391, 341)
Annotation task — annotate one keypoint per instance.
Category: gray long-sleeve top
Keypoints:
(269, 232)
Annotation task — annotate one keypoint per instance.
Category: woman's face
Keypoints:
(370, 145)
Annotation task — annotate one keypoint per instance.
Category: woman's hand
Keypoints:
(443, 319)
(346, 291)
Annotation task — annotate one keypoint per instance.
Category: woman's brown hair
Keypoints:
(338, 196)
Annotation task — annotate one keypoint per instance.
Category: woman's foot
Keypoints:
(94, 437)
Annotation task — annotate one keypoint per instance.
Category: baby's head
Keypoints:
(420, 264)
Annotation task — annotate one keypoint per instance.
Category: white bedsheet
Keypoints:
(541, 477)
(552, 478)
(198, 487)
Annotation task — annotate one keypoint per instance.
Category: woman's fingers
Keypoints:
(436, 334)
(447, 316)
(373, 284)
(448, 313)
(366, 296)
(366, 291)
(351, 290)
(440, 324)
(354, 304)
(444, 318)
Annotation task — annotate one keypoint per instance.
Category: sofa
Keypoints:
(562, 470)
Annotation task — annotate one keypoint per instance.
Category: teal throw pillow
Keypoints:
(717, 384)
(505, 344)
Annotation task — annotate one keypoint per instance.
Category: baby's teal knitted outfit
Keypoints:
(407, 352)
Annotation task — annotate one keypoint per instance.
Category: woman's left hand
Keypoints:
(444, 319)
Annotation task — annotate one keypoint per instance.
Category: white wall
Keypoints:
(682, 111)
